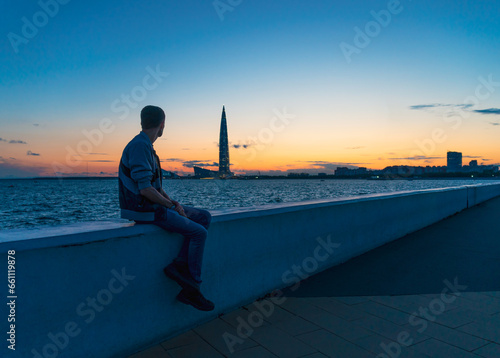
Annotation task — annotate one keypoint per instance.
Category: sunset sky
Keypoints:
(307, 85)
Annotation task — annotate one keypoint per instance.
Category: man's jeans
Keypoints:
(193, 228)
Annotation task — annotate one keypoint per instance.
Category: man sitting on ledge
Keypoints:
(143, 200)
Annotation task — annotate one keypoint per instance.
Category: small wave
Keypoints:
(275, 200)
(47, 218)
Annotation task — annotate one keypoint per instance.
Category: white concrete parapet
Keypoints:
(98, 290)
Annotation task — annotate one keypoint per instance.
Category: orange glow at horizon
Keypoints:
(376, 145)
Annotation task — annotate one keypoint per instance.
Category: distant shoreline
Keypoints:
(276, 177)
(56, 178)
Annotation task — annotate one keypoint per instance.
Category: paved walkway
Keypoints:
(434, 293)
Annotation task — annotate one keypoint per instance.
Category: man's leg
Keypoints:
(193, 246)
(200, 216)
(192, 249)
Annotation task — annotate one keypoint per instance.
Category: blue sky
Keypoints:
(257, 58)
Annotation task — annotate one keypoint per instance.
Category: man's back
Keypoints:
(139, 169)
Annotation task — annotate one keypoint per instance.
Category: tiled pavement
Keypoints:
(403, 304)
(461, 325)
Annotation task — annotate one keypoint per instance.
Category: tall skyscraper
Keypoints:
(223, 147)
(454, 162)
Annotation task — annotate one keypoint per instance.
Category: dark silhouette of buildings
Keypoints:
(169, 175)
(344, 171)
(454, 162)
(204, 173)
(453, 168)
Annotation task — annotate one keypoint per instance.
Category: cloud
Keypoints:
(172, 160)
(36, 124)
(442, 106)
(98, 153)
(418, 157)
(423, 106)
(328, 165)
(29, 152)
(192, 163)
(488, 111)
(199, 163)
(354, 148)
(186, 149)
(101, 161)
(237, 146)
(13, 141)
(495, 124)
(242, 145)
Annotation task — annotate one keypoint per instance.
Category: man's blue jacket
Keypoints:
(139, 169)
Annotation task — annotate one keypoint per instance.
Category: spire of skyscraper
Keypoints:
(223, 147)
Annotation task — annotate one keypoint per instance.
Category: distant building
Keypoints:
(169, 175)
(428, 169)
(402, 170)
(298, 175)
(454, 162)
(480, 169)
(204, 173)
(344, 171)
(224, 170)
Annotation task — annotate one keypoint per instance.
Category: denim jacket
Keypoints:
(139, 169)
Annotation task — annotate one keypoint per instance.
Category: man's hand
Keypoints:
(179, 208)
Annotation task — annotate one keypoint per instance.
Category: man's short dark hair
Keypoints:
(151, 117)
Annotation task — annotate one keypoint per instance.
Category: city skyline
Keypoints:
(310, 87)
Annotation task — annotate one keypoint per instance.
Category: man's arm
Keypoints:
(162, 198)
(166, 195)
(178, 206)
(153, 195)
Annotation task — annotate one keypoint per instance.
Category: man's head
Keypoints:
(153, 117)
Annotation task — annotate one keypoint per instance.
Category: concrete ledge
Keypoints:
(480, 193)
(97, 289)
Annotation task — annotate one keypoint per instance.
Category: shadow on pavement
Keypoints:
(465, 246)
